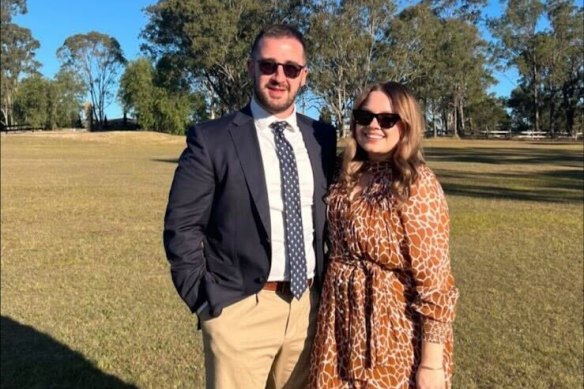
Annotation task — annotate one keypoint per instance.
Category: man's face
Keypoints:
(276, 92)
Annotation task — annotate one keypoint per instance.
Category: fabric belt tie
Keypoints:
(366, 333)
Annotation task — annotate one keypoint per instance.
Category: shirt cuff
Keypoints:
(435, 331)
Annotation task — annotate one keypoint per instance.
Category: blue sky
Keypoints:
(52, 21)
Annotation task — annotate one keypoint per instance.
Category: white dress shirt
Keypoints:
(279, 270)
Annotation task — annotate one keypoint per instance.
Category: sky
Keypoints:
(53, 21)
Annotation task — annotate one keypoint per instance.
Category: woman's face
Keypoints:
(376, 141)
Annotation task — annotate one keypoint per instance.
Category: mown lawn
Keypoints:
(87, 301)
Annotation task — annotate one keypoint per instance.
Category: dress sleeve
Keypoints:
(426, 227)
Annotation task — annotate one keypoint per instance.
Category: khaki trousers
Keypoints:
(263, 341)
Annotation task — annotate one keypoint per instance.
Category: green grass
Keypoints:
(87, 300)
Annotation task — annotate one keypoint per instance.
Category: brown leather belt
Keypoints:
(283, 287)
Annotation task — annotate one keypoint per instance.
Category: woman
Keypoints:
(387, 305)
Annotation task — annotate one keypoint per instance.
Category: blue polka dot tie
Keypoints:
(293, 232)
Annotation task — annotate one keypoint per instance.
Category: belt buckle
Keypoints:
(283, 287)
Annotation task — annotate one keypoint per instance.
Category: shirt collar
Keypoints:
(263, 118)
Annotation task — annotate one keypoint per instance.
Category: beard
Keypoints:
(272, 105)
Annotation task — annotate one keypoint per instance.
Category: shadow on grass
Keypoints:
(31, 359)
(502, 156)
(167, 160)
(559, 184)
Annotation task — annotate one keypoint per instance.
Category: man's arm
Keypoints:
(187, 215)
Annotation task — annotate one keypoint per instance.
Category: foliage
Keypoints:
(47, 103)
(160, 108)
(97, 58)
(564, 73)
(9, 8)
(346, 45)
(444, 61)
(69, 94)
(32, 101)
(488, 114)
(518, 44)
(550, 62)
(433, 46)
(467, 10)
(17, 56)
(136, 91)
(171, 111)
(463, 76)
(211, 52)
(197, 63)
(521, 108)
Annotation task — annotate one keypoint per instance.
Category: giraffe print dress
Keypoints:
(388, 285)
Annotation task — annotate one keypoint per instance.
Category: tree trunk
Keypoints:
(535, 98)
(455, 117)
(552, 119)
(340, 125)
(461, 112)
(434, 128)
(570, 109)
(445, 121)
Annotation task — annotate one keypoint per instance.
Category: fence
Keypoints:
(19, 127)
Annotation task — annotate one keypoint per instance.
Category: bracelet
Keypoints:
(430, 368)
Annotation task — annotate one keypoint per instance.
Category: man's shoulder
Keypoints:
(222, 123)
(306, 120)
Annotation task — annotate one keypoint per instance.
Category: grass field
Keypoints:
(87, 301)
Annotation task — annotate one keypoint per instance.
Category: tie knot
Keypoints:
(279, 127)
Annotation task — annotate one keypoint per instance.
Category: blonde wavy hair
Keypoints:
(407, 154)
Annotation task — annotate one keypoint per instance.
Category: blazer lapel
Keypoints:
(247, 147)
(314, 152)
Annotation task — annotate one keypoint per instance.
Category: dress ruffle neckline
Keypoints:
(374, 167)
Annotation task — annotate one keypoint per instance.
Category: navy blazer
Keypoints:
(217, 222)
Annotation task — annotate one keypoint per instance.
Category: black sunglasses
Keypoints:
(268, 67)
(385, 120)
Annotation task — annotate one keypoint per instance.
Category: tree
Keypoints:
(549, 61)
(17, 56)
(413, 43)
(464, 10)
(136, 91)
(48, 104)
(69, 91)
(521, 104)
(443, 60)
(210, 53)
(518, 43)
(488, 114)
(565, 72)
(163, 107)
(9, 8)
(98, 59)
(346, 42)
(462, 76)
(32, 102)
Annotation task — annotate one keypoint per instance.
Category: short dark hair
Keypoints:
(278, 31)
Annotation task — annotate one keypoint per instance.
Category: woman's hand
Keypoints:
(430, 378)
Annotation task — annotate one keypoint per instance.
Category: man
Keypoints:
(245, 221)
